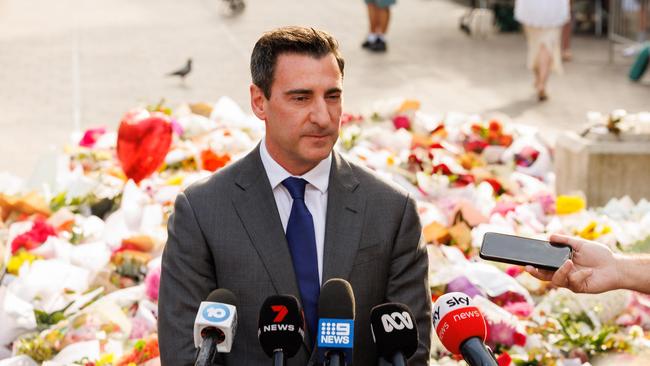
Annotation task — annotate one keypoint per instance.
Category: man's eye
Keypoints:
(334, 97)
(300, 98)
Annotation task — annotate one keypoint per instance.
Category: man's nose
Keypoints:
(319, 113)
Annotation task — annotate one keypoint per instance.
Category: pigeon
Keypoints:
(184, 71)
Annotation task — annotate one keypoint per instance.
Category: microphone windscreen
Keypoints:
(281, 325)
(336, 300)
(456, 320)
(394, 330)
(223, 296)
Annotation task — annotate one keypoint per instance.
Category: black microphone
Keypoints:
(281, 328)
(215, 325)
(335, 333)
(394, 332)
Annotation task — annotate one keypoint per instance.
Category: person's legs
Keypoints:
(383, 17)
(372, 17)
(566, 37)
(543, 68)
(382, 11)
(372, 25)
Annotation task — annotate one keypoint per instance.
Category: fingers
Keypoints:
(578, 280)
(561, 276)
(573, 242)
(540, 274)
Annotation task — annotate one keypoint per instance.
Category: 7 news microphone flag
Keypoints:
(281, 327)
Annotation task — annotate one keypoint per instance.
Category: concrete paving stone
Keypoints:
(100, 58)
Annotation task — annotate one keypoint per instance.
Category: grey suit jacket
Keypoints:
(226, 233)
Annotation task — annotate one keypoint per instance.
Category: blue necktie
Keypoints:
(302, 245)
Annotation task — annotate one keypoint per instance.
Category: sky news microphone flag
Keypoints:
(461, 328)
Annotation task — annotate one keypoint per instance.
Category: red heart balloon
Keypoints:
(143, 143)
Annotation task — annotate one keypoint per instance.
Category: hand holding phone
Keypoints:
(524, 251)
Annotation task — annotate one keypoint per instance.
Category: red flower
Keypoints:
(34, 237)
(212, 161)
(348, 118)
(476, 146)
(91, 136)
(504, 359)
(496, 186)
(514, 271)
(520, 339)
(441, 169)
(495, 126)
(463, 180)
(402, 122)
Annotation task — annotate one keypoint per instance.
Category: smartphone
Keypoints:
(523, 251)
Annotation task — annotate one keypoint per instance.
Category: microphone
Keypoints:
(335, 335)
(215, 325)
(394, 332)
(281, 327)
(461, 329)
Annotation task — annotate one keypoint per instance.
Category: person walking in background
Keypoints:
(543, 22)
(567, 29)
(378, 18)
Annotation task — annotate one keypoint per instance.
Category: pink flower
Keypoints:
(139, 328)
(547, 201)
(521, 309)
(500, 334)
(152, 283)
(91, 136)
(402, 122)
(177, 128)
(514, 271)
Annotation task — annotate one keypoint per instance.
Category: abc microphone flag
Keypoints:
(394, 332)
(281, 326)
(461, 328)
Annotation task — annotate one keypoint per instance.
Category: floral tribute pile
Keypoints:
(81, 240)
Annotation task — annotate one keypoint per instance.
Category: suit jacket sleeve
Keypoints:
(408, 281)
(187, 277)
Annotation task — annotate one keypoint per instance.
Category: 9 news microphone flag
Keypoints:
(336, 311)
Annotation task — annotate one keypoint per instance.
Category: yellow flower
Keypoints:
(105, 360)
(175, 180)
(590, 233)
(18, 259)
(569, 204)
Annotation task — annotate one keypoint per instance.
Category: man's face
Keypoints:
(303, 113)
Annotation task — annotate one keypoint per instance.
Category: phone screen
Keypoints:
(522, 251)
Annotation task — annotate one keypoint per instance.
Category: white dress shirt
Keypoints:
(315, 195)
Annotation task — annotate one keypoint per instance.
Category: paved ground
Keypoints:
(70, 64)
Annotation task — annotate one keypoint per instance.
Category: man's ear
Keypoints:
(257, 102)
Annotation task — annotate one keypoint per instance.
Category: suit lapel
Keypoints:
(256, 207)
(345, 205)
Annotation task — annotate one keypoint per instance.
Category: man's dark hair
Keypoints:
(297, 40)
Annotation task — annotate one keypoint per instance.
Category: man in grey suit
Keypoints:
(237, 229)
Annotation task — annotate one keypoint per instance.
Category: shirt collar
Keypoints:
(318, 176)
